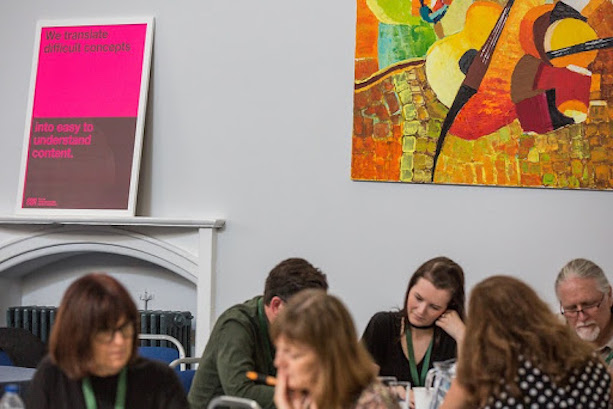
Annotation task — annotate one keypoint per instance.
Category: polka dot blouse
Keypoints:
(588, 388)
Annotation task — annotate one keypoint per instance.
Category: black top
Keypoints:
(382, 339)
(150, 385)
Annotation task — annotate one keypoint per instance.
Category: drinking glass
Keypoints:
(385, 380)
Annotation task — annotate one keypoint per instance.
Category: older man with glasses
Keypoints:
(585, 299)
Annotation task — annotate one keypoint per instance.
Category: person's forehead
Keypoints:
(284, 342)
(577, 289)
(432, 294)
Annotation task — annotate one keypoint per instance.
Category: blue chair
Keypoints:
(163, 354)
(186, 376)
(5, 359)
(175, 358)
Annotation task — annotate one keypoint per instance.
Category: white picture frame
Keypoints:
(85, 117)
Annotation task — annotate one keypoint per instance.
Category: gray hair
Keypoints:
(583, 268)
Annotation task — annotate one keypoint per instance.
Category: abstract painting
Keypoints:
(484, 92)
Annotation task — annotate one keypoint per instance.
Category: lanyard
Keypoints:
(264, 334)
(421, 380)
(120, 395)
(609, 358)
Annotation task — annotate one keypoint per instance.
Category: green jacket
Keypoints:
(237, 344)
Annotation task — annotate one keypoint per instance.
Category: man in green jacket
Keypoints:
(240, 339)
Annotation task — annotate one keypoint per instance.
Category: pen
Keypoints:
(258, 377)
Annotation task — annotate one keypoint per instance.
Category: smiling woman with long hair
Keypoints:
(518, 352)
(93, 361)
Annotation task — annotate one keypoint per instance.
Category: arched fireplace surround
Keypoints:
(184, 247)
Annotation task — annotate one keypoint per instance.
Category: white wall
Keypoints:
(250, 121)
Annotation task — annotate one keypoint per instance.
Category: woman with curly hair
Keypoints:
(518, 354)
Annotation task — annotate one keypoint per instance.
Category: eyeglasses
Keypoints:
(572, 312)
(105, 336)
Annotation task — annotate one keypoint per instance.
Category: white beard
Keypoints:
(587, 331)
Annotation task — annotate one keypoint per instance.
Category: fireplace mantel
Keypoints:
(118, 221)
(186, 247)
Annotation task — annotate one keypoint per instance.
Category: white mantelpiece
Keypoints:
(185, 247)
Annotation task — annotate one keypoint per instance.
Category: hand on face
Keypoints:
(286, 398)
(297, 369)
(451, 323)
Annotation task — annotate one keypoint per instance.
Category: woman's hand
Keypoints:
(451, 323)
(399, 394)
(456, 398)
(286, 398)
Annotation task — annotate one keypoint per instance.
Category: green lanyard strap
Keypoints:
(421, 380)
(265, 336)
(609, 358)
(120, 395)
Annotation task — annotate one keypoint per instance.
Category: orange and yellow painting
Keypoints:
(484, 92)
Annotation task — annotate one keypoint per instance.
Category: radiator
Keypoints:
(177, 324)
(39, 320)
(35, 319)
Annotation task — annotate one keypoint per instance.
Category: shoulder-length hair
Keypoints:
(506, 320)
(444, 274)
(321, 322)
(93, 303)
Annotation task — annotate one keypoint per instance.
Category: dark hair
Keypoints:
(506, 319)
(94, 302)
(321, 322)
(444, 274)
(291, 276)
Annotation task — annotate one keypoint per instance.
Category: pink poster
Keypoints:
(85, 118)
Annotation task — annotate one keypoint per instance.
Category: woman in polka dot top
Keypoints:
(518, 354)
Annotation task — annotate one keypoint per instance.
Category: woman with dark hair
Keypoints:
(518, 353)
(320, 363)
(93, 360)
(405, 343)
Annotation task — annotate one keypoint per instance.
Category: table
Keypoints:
(15, 374)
